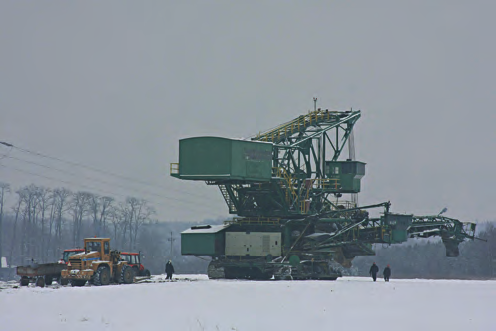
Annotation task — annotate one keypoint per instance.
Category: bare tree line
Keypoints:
(46, 221)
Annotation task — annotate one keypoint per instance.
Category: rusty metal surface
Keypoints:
(36, 270)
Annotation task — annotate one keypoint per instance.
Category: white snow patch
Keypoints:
(193, 302)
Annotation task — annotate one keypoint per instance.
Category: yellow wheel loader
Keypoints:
(97, 265)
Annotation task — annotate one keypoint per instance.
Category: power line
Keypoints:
(92, 179)
(6, 154)
(100, 170)
(96, 169)
(191, 207)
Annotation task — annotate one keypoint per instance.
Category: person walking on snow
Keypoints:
(387, 273)
(169, 270)
(374, 269)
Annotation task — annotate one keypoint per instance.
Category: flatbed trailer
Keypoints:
(40, 274)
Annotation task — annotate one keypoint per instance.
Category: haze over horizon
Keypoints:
(115, 85)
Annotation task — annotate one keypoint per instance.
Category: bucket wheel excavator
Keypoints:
(294, 200)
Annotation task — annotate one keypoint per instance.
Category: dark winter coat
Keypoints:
(387, 272)
(169, 268)
(374, 269)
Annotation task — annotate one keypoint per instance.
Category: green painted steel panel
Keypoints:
(204, 157)
(349, 174)
(399, 224)
(399, 236)
(214, 158)
(204, 240)
(207, 244)
(197, 244)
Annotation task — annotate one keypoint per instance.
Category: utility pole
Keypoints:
(3, 189)
(171, 239)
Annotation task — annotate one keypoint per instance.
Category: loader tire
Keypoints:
(40, 282)
(127, 275)
(136, 271)
(102, 276)
(48, 279)
(64, 281)
(24, 281)
(146, 273)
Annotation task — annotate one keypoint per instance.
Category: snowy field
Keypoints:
(193, 302)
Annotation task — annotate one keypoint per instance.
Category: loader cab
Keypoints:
(100, 245)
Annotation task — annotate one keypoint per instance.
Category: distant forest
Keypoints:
(43, 222)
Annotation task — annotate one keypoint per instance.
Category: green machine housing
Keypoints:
(203, 240)
(215, 158)
(224, 240)
(399, 224)
(348, 174)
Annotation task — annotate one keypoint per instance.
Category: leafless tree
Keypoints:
(99, 207)
(115, 218)
(51, 222)
(4, 189)
(136, 212)
(61, 198)
(123, 212)
(79, 209)
(17, 210)
(29, 208)
(44, 201)
(106, 203)
(94, 210)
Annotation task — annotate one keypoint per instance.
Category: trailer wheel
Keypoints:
(24, 281)
(102, 276)
(147, 273)
(127, 274)
(40, 281)
(48, 279)
(63, 281)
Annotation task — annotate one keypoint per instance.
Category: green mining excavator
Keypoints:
(287, 188)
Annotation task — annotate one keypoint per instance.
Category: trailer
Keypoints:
(44, 274)
(40, 274)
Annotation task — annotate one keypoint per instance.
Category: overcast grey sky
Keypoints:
(116, 84)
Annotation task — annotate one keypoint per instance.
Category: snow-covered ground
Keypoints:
(193, 302)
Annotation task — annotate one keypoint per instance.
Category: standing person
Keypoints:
(387, 273)
(374, 269)
(169, 270)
